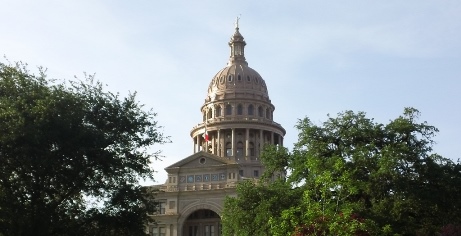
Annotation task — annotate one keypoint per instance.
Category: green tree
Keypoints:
(66, 145)
(259, 200)
(359, 177)
(250, 212)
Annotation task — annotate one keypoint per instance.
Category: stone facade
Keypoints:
(237, 121)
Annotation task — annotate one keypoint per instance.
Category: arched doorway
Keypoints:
(202, 222)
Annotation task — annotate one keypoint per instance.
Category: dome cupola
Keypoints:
(237, 47)
(237, 79)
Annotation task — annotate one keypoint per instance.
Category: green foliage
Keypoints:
(63, 145)
(250, 212)
(275, 160)
(353, 176)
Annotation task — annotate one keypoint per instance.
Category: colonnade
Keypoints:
(219, 140)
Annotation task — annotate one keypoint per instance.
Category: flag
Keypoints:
(205, 135)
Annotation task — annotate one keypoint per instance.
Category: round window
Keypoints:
(202, 160)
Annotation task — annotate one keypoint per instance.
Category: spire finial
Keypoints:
(237, 22)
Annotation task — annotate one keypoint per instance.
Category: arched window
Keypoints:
(239, 109)
(229, 78)
(239, 149)
(268, 113)
(228, 110)
(239, 78)
(228, 149)
(218, 111)
(260, 111)
(210, 113)
(251, 148)
(250, 110)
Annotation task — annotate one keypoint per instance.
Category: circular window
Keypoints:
(202, 160)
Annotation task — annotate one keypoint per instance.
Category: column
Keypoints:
(233, 142)
(193, 144)
(212, 143)
(280, 140)
(247, 143)
(219, 144)
(272, 137)
(198, 142)
(261, 142)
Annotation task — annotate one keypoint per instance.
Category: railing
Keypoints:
(197, 187)
(221, 119)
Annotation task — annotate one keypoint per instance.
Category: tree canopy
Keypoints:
(71, 156)
(353, 176)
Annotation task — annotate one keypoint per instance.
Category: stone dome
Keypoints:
(237, 115)
(237, 79)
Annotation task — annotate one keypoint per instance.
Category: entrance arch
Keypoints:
(200, 220)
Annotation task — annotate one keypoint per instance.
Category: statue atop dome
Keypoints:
(237, 22)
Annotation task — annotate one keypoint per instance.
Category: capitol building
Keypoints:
(236, 122)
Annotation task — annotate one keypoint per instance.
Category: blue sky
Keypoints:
(317, 57)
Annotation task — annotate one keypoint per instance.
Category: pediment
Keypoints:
(200, 160)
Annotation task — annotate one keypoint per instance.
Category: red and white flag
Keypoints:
(205, 135)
